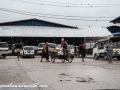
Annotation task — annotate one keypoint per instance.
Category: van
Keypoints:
(4, 49)
(99, 49)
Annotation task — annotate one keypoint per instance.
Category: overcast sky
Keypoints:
(107, 9)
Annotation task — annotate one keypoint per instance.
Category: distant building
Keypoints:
(115, 28)
(34, 31)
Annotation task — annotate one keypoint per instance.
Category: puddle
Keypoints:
(67, 80)
(82, 79)
(63, 74)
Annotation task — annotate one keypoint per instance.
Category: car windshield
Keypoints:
(3, 45)
(71, 46)
(40, 45)
(28, 48)
(52, 45)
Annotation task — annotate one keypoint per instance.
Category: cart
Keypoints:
(65, 56)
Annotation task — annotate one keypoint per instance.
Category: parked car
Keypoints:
(51, 47)
(27, 51)
(4, 49)
(15, 47)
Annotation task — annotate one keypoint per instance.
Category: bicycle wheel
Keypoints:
(70, 58)
(52, 57)
(63, 59)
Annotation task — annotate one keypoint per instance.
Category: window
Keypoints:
(3, 45)
(95, 46)
(52, 45)
(101, 45)
(28, 48)
(41, 44)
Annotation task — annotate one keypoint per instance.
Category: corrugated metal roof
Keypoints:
(34, 19)
(113, 25)
(37, 31)
(114, 20)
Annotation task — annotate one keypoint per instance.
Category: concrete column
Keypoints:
(20, 40)
(54, 39)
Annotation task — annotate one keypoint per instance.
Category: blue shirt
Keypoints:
(109, 47)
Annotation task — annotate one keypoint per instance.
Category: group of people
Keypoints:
(64, 45)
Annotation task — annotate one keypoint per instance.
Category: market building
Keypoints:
(34, 31)
(115, 28)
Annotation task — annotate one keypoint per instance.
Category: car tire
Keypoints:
(118, 58)
(4, 56)
(96, 57)
(70, 60)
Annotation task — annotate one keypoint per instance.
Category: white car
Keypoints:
(4, 49)
(27, 51)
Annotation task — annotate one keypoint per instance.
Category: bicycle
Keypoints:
(67, 56)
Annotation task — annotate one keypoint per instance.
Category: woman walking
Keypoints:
(109, 51)
(45, 52)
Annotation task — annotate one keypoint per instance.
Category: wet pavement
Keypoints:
(77, 75)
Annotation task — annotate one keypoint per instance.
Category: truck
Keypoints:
(100, 51)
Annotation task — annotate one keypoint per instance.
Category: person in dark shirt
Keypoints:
(82, 51)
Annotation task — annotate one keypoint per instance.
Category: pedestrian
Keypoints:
(109, 51)
(82, 51)
(45, 52)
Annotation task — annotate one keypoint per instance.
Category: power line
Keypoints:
(76, 4)
(82, 6)
(34, 14)
(58, 15)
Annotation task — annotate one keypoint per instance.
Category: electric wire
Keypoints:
(37, 14)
